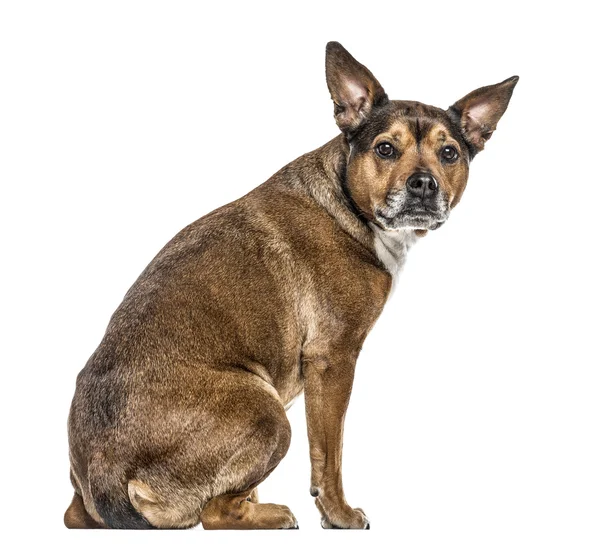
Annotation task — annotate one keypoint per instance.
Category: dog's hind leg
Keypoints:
(238, 507)
(200, 461)
(242, 510)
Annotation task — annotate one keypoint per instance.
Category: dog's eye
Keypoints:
(385, 150)
(449, 154)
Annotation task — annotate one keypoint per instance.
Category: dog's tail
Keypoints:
(108, 485)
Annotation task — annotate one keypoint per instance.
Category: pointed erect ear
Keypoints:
(480, 111)
(354, 90)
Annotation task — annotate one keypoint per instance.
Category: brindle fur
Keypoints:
(180, 412)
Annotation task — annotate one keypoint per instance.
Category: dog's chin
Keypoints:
(424, 220)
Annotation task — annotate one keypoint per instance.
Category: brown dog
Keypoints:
(180, 412)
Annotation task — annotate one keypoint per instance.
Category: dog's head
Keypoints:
(409, 162)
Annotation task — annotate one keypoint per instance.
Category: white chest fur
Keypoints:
(392, 246)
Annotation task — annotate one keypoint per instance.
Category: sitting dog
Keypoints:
(180, 413)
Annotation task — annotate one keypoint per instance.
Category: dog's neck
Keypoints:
(322, 174)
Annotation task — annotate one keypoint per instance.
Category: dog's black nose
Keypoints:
(422, 184)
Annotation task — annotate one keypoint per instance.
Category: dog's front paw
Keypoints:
(346, 519)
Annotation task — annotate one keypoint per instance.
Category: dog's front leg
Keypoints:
(327, 387)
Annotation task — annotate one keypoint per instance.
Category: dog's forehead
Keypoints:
(407, 117)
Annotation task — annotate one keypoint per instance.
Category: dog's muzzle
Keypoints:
(419, 204)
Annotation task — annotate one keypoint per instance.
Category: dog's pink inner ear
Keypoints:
(352, 104)
(355, 95)
(478, 124)
(479, 113)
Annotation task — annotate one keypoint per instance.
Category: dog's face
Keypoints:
(409, 162)
(408, 166)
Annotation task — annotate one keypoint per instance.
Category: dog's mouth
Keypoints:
(401, 211)
(411, 218)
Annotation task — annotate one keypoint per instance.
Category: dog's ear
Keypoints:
(479, 112)
(354, 90)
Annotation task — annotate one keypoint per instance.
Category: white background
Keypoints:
(474, 424)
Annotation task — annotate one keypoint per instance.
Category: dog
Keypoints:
(180, 413)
